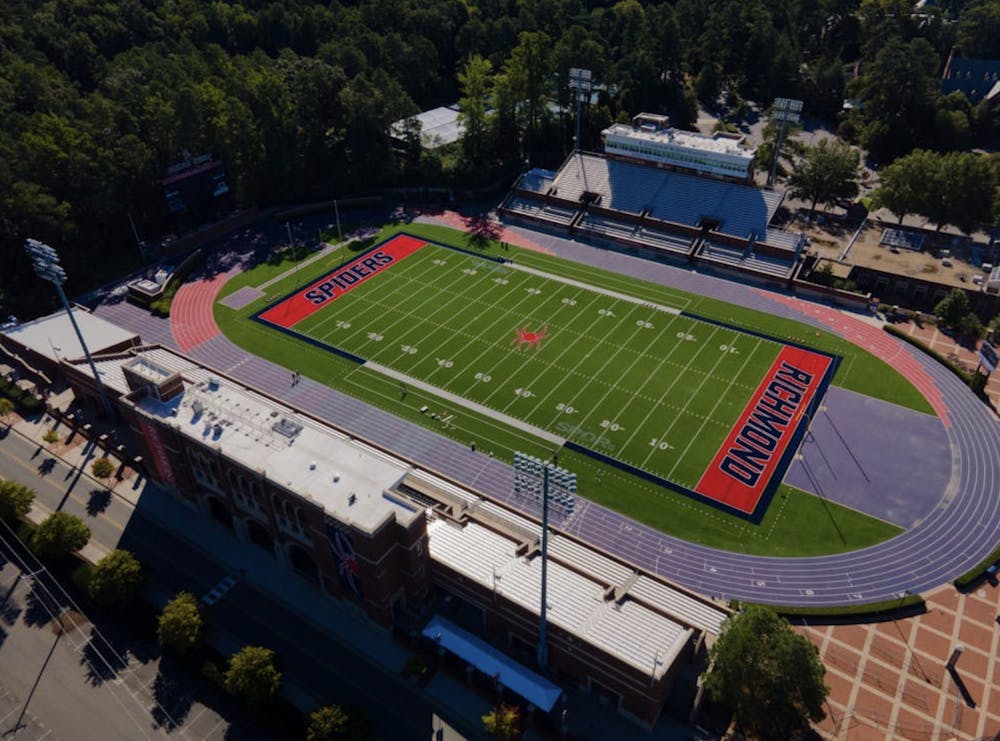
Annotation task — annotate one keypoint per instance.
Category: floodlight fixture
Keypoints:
(46, 263)
(580, 80)
(785, 110)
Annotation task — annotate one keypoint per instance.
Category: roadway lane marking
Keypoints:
(100, 515)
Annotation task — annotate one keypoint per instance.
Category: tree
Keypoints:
(15, 500)
(474, 81)
(116, 579)
(502, 721)
(327, 723)
(335, 722)
(180, 626)
(252, 675)
(103, 469)
(968, 187)
(769, 675)
(952, 308)
(6, 408)
(827, 172)
(905, 186)
(59, 535)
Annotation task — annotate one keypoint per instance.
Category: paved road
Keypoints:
(328, 671)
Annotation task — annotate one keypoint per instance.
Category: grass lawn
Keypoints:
(636, 382)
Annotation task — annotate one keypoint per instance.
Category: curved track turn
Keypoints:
(959, 532)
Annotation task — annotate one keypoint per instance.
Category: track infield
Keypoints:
(708, 409)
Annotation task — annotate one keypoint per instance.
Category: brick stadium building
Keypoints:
(415, 551)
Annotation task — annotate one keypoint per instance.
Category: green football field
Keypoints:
(610, 373)
(630, 379)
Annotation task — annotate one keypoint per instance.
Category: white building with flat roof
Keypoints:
(650, 140)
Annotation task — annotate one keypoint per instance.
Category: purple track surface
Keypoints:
(960, 529)
(878, 458)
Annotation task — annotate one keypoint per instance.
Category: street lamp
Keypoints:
(47, 267)
(535, 477)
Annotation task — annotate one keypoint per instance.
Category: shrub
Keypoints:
(51, 436)
(102, 468)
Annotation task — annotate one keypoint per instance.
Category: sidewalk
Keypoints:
(343, 621)
(938, 341)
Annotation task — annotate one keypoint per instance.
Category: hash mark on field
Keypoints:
(625, 374)
(718, 401)
(583, 388)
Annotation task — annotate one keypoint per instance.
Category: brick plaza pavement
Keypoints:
(889, 680)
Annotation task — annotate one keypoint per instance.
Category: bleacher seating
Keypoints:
(671, 196)
(766, 264)
(779, 238)
(552, 213)
(664, 241)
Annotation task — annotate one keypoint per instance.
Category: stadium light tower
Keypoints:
(537, 477)
(580, 81)
(47, 267)
(787, 111)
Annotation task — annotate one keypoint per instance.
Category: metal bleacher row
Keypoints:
(552, 213)
(740, 210)
(776, 266)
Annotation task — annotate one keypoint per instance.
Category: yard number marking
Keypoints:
(408, 349)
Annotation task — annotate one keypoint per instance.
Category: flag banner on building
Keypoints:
(347, 562)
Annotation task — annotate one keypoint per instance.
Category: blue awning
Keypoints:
(533, 687)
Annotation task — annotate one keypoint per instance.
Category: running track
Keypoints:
(960, 531)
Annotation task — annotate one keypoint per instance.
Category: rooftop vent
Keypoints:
(287, 427)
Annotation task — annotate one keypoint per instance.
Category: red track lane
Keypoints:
(336, 283)
(877, 342)
(734, 489)
(191, 319)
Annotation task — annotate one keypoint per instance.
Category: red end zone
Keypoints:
(314, 297)
(742, 469)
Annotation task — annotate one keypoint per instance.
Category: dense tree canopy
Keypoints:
(296, 96)
(828, 172)
(957, 188)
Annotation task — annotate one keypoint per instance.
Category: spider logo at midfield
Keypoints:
(527, 338)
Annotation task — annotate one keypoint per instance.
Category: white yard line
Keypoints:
(503, 358)
(596, 374)
(711, 414)
(460, 402)
(639, 393)
(413, 315)
(612, 388)
(695, 393)
(597, 289)
(499, 312)
(401, 277)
